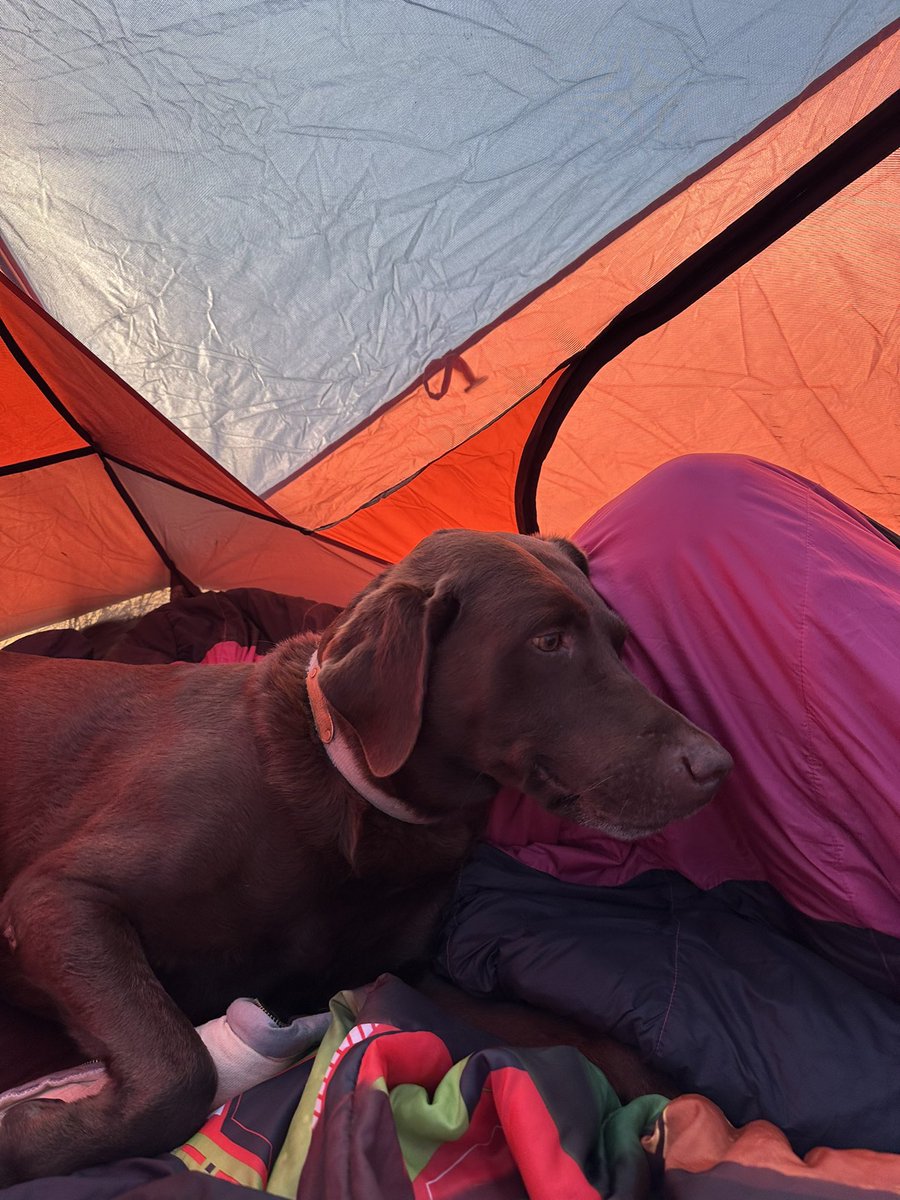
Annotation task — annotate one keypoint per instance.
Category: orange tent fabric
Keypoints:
(794, 358)
(797, 306)
(754, 330)
(102, 499)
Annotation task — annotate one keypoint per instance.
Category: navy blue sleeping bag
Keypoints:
(707, 984)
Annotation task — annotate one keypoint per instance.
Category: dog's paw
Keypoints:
(40, 1138)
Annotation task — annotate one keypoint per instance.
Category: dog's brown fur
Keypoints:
(174, 837)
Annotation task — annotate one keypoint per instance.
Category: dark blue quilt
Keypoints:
(713, 987)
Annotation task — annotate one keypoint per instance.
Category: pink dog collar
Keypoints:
(345, 761)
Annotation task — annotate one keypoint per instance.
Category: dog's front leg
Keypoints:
(71, 941)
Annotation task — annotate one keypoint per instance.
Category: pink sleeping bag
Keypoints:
(768, 611)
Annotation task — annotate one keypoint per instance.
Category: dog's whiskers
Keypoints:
(599, 782)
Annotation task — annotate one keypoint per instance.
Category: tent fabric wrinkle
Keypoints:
(88, 450)
(562, 319)
(301, 205)
(286, 287)
(68, 545)
(797, 349)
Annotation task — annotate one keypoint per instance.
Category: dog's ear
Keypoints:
(375, 666)
(573, 552)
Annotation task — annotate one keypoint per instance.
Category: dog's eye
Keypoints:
(548, 642)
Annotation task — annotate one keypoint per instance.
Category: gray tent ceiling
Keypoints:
(269, 217)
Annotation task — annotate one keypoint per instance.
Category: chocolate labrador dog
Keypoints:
(172, 837)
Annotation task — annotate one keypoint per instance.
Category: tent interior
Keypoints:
(285, 287)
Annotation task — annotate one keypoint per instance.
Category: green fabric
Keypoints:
(425, 1122)
(286, 1170)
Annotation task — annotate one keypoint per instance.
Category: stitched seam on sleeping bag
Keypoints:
(665, 1020)
(812, 763)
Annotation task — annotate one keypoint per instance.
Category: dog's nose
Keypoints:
(707, 763)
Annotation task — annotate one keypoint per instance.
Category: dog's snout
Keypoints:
(706, 762)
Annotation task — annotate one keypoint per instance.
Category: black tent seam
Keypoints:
(272, 518)
(35, 376)
(856, 151)
(43, 387)
(47, 392)
(523, 498)
(892, 537)
(154, 541)
(186, 487)
(49, 460)
(774, 118)
(396, 487)
(538, 433)
(577, 374)
(37, 379)
(12, 270)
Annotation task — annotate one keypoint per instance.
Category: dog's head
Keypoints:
(483, 660)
